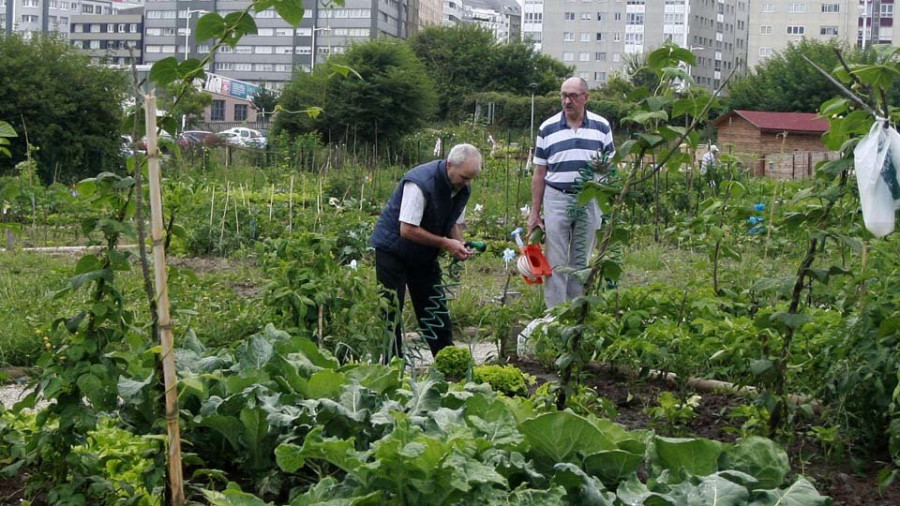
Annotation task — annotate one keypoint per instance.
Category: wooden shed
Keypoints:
(774, 144)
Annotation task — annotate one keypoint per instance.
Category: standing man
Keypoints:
(565, 144)
(709, 160)
(422, 218)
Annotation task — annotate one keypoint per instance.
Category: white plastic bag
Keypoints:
(877, 158)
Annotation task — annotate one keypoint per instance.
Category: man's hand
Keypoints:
(534, 221)
(458, 249)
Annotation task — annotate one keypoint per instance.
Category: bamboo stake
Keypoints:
(212, 206)
(271, 202)
(224, 214)
(170, 380)
(291, 207)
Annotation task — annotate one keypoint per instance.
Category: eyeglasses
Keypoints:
(571, 96)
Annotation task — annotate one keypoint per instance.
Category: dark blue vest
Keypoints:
(441, 212)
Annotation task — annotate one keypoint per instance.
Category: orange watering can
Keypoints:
(532, 264)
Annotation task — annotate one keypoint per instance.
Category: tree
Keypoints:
(265, 101)
(786, 82)
(465, 59)
(60, 103)
(387, 95)
(191, 104)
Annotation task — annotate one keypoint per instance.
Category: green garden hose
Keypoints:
(443, 292)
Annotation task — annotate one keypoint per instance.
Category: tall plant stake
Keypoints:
(176, 481)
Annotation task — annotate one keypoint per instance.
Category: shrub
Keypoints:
(507, 379)
(453, 362)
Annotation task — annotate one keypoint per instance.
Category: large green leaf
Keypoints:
(696, 456)
(612, 466)
(164, 72)
(759, 457)
(717, 491)
(339, 452)
(255, 354)
(800, 493)
(210, 26)
(635, 492)
(325, 384)
(562, 436)
(582, 488)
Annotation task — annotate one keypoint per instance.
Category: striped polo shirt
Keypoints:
(565, 151)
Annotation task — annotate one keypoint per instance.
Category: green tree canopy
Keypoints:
(66, 107)
(391, 96)
(465, 59)
(786, 82)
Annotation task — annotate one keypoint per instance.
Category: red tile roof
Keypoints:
(781, 121)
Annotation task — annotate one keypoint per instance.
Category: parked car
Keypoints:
(230, 138)
(191, 138)
(247, 137)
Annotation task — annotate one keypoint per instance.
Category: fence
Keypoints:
(796, 164)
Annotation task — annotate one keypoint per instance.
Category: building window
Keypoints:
(217, 112)
(240, 112)
(765, 52)
(768, 8)
(887, 10)
(635, 18)
(765, 29)
(568, 36)
(831, 7)
(795, 30)
(568, 56)
(828, 30)
(599, 37)
(600, 56)
(568, 16)
(584, 56)
(797, 7)
(585, 16)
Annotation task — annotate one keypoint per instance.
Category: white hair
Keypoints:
(462, 152)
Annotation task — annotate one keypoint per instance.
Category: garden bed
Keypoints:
(839, 480)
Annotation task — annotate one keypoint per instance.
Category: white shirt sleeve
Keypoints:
(412, 207)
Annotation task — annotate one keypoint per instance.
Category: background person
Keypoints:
(710, 159)
(565, 144)
(423, 217)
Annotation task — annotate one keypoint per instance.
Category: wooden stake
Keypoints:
(212, 206)
(291, 206)
(271, 202)
(170, 379)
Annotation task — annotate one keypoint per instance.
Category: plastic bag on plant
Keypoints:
(877, 158)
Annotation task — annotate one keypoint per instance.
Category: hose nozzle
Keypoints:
(479, 246)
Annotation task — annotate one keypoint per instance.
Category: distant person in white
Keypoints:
(710, 159)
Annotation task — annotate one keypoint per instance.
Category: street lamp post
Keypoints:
(187, 33)
(187, 28)
(312, 62)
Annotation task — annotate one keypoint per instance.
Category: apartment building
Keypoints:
(112, 39)
(503, 18)
(598, 36)
(775, 24)
(277, 50)
(532, 22)
(29, 17)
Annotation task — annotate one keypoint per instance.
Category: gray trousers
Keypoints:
(569, 242)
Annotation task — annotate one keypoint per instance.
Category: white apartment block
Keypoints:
(532, 22)
(774, 24)
(277, 50)
(596, 36)
(29, 17)
(503, 18)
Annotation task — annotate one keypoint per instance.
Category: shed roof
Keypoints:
(807, 122)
